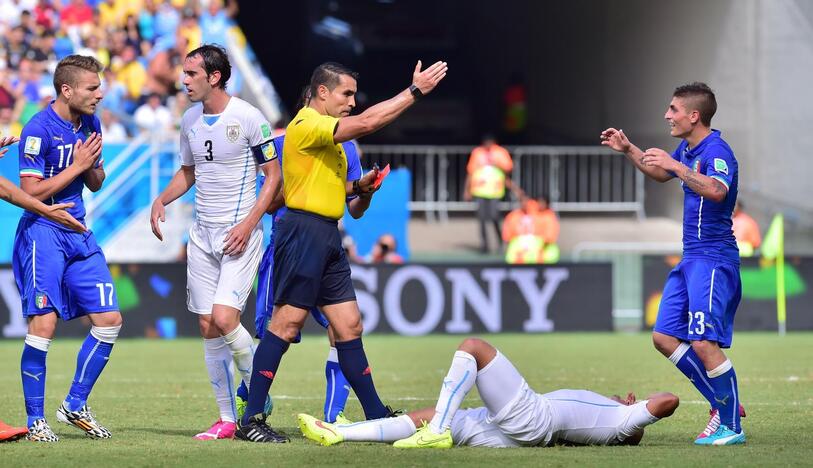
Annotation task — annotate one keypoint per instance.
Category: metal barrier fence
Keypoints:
(576, 178)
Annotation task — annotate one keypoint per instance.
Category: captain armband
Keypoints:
(264, 152)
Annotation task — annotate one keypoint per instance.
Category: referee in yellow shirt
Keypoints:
(310, 266)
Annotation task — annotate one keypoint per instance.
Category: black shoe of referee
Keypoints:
(256, 430)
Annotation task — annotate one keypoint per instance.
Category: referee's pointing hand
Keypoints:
(427, 80)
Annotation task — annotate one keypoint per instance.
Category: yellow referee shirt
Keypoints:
(314, 169)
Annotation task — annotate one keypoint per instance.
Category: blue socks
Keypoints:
(726, 395)
(266, 362)
(354, 365)
(690, 364)
(32, 371)
(242, 391)
(338, 389)
(90, 362)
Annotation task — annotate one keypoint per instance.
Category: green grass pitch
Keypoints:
(154, 396)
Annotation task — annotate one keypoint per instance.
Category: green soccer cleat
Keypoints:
(319, 431)
(425, 438)
(241, 405)
(342, 419)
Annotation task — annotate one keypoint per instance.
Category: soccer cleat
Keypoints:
(722, 436)
(10, 434)
(40, 431)
(425, 438)
(83, 420)
(241, 405)
(321, 432)
(219, 430)
(711, 426)
(714, 422)
(342, 419)
(256, 430)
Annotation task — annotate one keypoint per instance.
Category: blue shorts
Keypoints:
(61, 271)
(265, 294)
(699, 301)
(310, 266)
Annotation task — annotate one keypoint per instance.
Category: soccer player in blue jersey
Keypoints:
(337, 388)
(696, 317)
(59, 272)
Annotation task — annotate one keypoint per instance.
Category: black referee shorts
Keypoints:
(310, 266)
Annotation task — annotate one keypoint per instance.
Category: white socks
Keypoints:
(457, 383)
(106, 334)
(241, 345)
(378, 430)
(38, 342)
(220, 366)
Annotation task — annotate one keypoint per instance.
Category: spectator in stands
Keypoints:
(489, 170)
(153, 115)
(531, 232)
(7, 98)
(14, 47)
(29, 26)
(76, 14)
(8, 126)
(216, 20)
(112, 130)
(42, 51)
(384, 251)
(189, 31)
(146, 20)
(10, 11)
(746, 231)
(26, 88)
(130, 72)
(63, 43)
(178, 105)
(45, 14)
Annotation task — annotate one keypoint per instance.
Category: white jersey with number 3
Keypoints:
(219, 146)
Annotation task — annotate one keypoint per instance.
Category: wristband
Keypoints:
(416, 92)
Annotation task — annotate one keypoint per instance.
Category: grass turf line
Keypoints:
(154, 396)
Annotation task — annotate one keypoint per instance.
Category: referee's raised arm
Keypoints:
(381, 114)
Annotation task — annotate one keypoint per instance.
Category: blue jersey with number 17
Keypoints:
(707, 224)
(47, 143)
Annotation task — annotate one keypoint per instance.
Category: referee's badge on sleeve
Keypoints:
(32, 145)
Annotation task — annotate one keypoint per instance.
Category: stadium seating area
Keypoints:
(140, 42)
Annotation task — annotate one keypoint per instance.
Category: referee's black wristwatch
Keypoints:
(416, 91)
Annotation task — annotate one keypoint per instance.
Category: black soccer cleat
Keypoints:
(256, 430)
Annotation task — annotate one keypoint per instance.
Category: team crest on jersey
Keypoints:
(232, 132)
(33, 145)
(41, 300)
(720, 166)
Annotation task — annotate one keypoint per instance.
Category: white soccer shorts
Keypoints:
(514, 415)
(214, 278)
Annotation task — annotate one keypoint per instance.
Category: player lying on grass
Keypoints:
(513, 416)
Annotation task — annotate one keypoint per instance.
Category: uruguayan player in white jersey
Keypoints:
(513, 416)
(223, 142)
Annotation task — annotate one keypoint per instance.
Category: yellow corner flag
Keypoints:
(773, 248)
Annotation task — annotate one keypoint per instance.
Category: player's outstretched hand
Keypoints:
(236, 239)
(157, 213)
(86, 153)
(58, 214)
(427, 80)
(658, 158)
(616, 140)
(5, 142)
